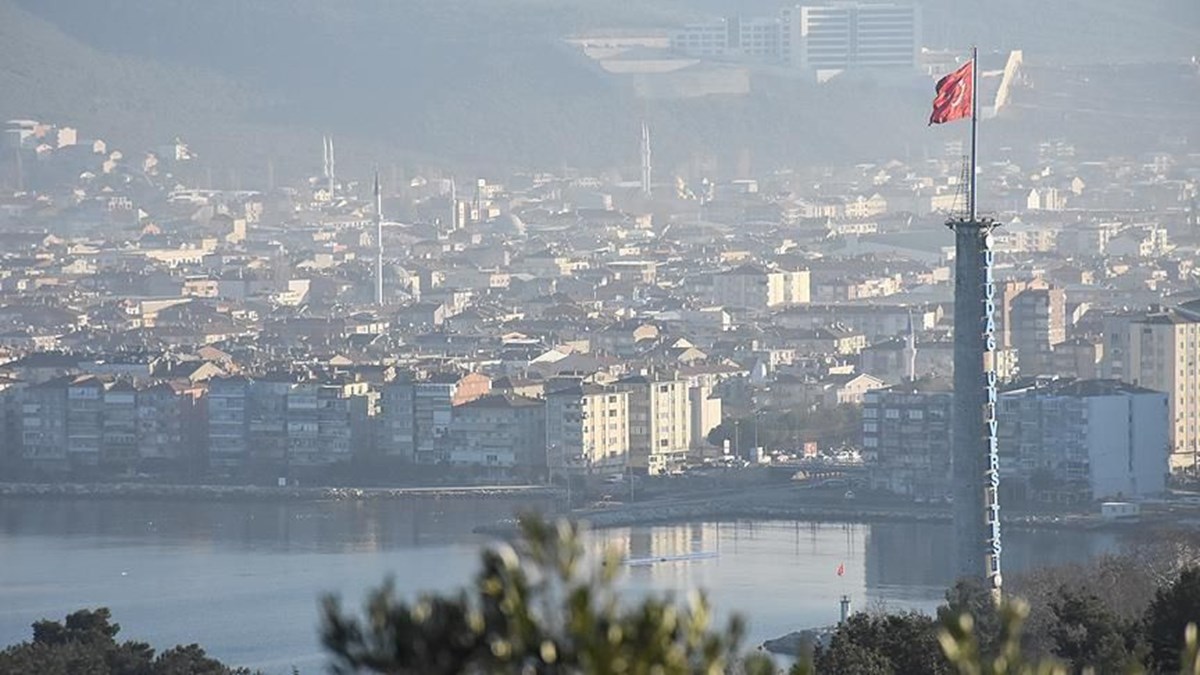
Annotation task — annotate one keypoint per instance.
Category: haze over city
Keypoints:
(796, 305)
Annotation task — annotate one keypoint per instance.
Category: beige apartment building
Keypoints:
(1163, 355)
(757, 288)
(660, 422)
(587, 429)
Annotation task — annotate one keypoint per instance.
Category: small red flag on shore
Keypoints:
(954, 95)
(841, 570)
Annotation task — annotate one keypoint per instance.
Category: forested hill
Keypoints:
(484, 81)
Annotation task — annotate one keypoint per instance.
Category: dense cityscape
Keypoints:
(537, 325)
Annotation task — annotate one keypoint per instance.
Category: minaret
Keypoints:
(646, 175)
(332, 168)
(378, 243)
(326, 171)
(453, 205)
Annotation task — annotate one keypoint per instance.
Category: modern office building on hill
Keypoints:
(843, 36)
(832, 37)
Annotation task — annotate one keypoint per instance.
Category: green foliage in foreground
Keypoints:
(1081, 633)
(86, 643)
(540, 608)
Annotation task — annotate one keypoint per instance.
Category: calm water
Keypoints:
(243, 580)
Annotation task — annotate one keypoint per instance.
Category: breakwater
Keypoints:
(261, 493)
(655, 513)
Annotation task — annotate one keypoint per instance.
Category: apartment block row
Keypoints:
(281, 421)
(1064, 441)
(87, 421)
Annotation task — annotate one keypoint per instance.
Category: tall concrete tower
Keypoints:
(975, 459)
(976, 465)
(646, 166)
(378, 243)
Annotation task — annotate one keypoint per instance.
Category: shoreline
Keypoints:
(664, 514)
(234, 493)
(681, 510)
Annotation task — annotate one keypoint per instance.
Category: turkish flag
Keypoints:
(954, 95)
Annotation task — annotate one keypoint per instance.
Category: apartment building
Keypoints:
(1163, 355)
(1039, 324)
(228, 421)
(906, 438)
(587, 429)
(170, 424)
(659, 422)
(756, 288)
(43, 424)
(434, 399)
(85, 420)
(1075, 441)
(397, 434)
(505, 433)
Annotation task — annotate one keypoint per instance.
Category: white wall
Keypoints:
(1127, 445)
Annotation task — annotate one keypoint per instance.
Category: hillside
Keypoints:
(485, 82)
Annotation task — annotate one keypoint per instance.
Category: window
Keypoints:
(916, 414)
(892, 413)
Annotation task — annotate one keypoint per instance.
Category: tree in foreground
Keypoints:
(1174, 608)
(887, 644)
(86, 642)
(541, 606)
(962, 649)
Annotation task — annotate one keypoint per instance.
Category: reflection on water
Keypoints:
(243, 579)
(906, 555)
(326, 527)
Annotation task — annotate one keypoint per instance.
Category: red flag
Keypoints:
(841, 571)
(954, 94)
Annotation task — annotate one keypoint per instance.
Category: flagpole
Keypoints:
(971, 200)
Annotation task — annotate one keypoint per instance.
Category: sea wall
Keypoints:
(260, 493)
(652, 513)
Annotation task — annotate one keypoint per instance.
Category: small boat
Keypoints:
(678, 557)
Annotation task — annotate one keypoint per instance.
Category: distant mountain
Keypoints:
(486, 83)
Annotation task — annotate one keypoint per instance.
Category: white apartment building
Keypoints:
(587, 429)
(1083, 440)
(1163, 355)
